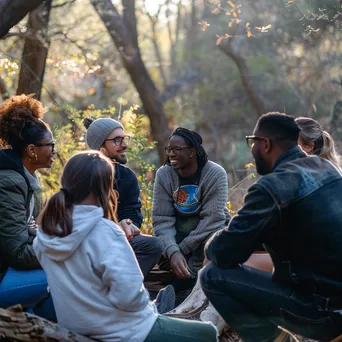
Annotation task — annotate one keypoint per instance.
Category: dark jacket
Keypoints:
(296, 212)
(15, 194)
(129, 204)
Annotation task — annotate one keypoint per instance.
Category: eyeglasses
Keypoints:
(251, 138)
(175, 150)
(119, 140)
(51, 144)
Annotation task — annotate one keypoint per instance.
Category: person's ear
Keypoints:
(103, 150)
(309, 147)
(268, 145)
(192, 152)
(31, 151)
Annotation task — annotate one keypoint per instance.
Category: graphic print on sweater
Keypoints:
(186, 199)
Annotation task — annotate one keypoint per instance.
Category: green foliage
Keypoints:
(140, 144)
(70, 140)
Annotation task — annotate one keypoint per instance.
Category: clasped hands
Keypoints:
(129, 228)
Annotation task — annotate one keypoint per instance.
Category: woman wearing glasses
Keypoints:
(189, 204)
(26, 145)
(107, 136)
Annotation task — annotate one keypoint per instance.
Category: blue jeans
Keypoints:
(28, 288)
(254, 306)
(169, 329)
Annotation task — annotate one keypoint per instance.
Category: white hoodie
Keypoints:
(95, 281)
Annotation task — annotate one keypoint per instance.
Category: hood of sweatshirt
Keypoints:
(85, 218)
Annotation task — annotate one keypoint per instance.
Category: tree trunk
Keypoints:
(124, 38)
(35, 52)
(226, 46)
(12, 11)
(20, 326)
(3, 90)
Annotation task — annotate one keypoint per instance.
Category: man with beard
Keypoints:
(294, 211)
(107, 136)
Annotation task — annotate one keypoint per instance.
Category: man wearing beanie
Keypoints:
(107, 136)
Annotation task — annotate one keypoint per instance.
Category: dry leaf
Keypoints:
(215, 10)
(230, 24)
(234, 15)
(204, 25)
(237, 20)
(219, 40)
(249, 34)
(231, 4)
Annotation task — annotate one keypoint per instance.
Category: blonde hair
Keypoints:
(324, 145)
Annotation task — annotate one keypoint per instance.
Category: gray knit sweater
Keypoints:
(213, 194)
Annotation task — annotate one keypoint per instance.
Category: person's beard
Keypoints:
(121, 159)
(261, 164)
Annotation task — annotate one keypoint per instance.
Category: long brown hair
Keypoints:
(85, 173)
(324, 146)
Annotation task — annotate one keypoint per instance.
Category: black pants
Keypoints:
(254, 306)
(147, 250)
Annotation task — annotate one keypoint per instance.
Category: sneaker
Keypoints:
(166, 299)
(192, 305)
(209, 314)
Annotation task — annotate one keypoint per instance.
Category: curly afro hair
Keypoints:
(20, 122)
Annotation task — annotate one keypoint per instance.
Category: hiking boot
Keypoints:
(209, 314)
(192, 305)
(165, 300)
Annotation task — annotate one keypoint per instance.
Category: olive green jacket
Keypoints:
(15, 194)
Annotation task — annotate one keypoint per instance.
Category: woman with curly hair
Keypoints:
(26, 145)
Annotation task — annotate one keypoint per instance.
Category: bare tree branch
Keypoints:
(228, 48)
(125, 40)
(64, 4)
(154, 39)
(12, 11)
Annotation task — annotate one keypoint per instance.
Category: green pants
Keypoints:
(169, 329)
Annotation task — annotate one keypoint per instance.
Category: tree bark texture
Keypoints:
(12, 11)
(3, 90)
(20, 326)
(125, 39)
(226, 46)
(35, 51)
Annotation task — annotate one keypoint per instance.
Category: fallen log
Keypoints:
(17, 325)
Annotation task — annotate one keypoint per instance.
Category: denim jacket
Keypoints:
(296, 213)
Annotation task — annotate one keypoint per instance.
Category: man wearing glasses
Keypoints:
(107, 136)
(294, 210)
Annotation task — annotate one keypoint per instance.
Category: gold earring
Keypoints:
(35, 159)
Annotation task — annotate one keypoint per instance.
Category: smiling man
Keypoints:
(107, 136)
(189, 204)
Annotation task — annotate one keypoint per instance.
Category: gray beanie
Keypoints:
(99, 130)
